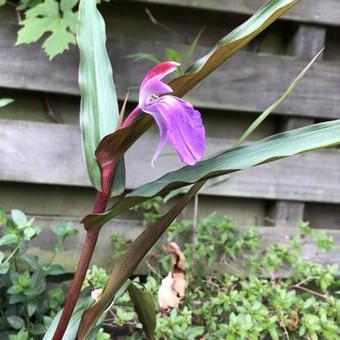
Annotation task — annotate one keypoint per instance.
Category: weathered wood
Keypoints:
(296, 123)
(130, 229)
(308, 41)
(51, 154)
(323, 216)
(286, 213)
(313, 11)
(248, 82)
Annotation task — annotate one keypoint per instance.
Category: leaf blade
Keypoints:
(5, 101)
(145, 309)
(266, 150)
(99, 112)
(228, 45)
(127, 263)
(271, 108)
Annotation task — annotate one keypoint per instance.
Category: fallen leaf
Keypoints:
(294, 318)
(172, 290)
(96, 293)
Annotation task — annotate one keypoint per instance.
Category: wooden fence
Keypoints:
(41, 167)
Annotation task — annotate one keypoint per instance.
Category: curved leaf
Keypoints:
(127, 263)
(99, 111)
(118, 142)
(72, 328)
(277, 103)
(5, 101)
(145, 309)
(269, 149)
(229, 44)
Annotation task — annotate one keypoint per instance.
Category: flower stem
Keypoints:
(84, 261)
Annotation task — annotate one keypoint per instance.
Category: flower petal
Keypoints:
(183, 125)
(152, 84)
(160, 71)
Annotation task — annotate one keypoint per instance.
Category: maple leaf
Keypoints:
(50, 16)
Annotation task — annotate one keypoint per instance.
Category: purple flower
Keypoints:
(179, 123)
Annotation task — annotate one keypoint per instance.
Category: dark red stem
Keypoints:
(84, 261)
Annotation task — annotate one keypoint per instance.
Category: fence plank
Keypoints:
(130, 229)
(51, 154)
(309, 40)
(263, 78)
(313, 11)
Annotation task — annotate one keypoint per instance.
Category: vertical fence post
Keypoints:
(308, 41)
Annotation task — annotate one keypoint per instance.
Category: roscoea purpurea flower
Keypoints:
(179, 123)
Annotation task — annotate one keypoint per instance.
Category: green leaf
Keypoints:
(145, 309)
(267, 112)
(145, 56)
(99, 111)
(8, 239)
(50, 16)
(16, 322)
(189, 54)
(127, 263)
(29, 233)
(57, 42)
(96, 330)
(18, 217)
(3, 217)
(229, 44)
(4, 267)
(31, 307)
(269, 149)
(173, 55)
(115, 145)
(5, 101)
(73, 325)
(55, 269)
(2, 2)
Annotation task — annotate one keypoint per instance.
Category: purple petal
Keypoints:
(152, 86)
(183, 127)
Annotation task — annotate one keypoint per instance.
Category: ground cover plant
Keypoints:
(107, 133)
(30, 294)
(254, 291)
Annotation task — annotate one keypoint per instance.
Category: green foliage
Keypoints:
(239, 289)
(28, 300)
(63, 232)
(99, 112)
(95, 278)
(5, 101)
(269, 149)
(184, 59)
(58, 18)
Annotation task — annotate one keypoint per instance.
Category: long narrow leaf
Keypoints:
(5, 101)
(269, 149)
(127, 263)
(99, 111)
(117, 143)
(267, 112)
(145, 309)
(190, 52)
(229, 44)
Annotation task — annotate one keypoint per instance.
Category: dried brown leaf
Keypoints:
(172, 290)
